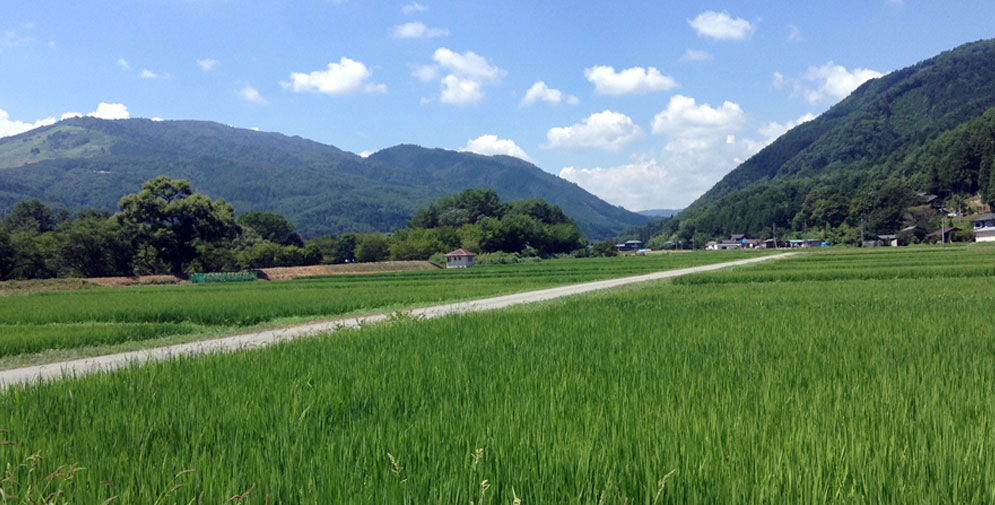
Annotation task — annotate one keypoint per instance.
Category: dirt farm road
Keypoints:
(78, 367)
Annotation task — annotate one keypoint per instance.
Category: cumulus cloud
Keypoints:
(343, 78)
(110, 111)
(721, 26)
(631, 80)
(466, 75)
(540, 92)
(605, 130)
(702, 148)
(208, 64)
(251, 95)
(123, 63)
(417, 30)
(10, 127)
(70, 115)
(148, 74)
(490, 145)
(692, 126)
(11, 39)
(696, 55)
(636, 186)
(366, 154)
(413, 7)
(834, 82)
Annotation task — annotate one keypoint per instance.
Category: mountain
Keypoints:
(90, 163)
(926, 128)
(659, 212)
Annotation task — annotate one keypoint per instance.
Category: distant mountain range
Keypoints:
(659, 212)
(928, 128)
(90, 163)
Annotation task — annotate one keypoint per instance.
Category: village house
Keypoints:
(629, 245)
(984, 228)
(943, 234)
(460, 258)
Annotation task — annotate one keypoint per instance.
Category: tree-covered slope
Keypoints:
(913, 130)
(87, 162)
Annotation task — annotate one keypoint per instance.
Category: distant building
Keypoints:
(629, 245)
(984, 228)
(460, 258)
(943, 234)
(888, 240)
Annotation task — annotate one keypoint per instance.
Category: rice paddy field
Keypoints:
(855, 377)
(60, 320)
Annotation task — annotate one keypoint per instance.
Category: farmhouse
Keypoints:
(629, 245)
(984, 228)
(943, 234)
(460, 258)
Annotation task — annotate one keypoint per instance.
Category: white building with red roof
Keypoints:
(460, 258)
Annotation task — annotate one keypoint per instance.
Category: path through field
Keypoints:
(52, 371)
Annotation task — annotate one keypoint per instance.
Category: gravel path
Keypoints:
(52, 371)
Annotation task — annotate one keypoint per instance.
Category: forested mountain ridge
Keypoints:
(866, 158)
(90, 163)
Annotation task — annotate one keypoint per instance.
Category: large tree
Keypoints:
(170, 221)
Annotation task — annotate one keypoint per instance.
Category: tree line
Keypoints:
(166, 227)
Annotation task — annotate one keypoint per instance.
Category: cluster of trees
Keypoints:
(168, 228)
(477, 220)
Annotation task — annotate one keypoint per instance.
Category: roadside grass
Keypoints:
(797, 391)
(57, 325)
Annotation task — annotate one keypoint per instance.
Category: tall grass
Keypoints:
(843, 391)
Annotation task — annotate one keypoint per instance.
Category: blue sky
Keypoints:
(644, 103)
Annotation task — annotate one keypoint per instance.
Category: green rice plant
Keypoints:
(801, 391)
(67, 319)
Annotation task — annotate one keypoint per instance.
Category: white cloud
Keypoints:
(467, 64)
(696, 55)
(251, 95)
(490, 145)
(692, 126)
(631, 80)
(417, 30)
(702, 148)
(148, 74)
(425, 73)
(366, 154)
(70, 115)
(413, 7)
(540, 92)
(123, 63)
(602, 130)
(10, 38)
(794, 34)
(10, 127)
(158, 119)
(773, 129)
(110, 111)
(834, 82)
(636, 186)
(721, 26)
(468, 72)
(343, 78)
(460, 91)
(207, 64)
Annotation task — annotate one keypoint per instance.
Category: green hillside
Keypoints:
(87, 162)
(926, 128)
